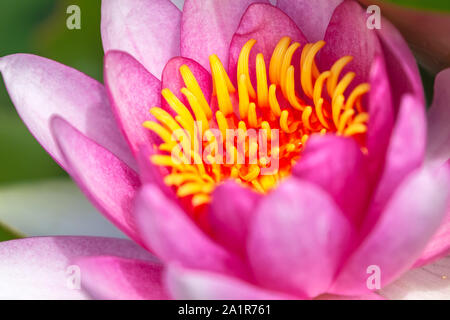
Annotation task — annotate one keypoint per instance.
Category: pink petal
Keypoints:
(133, 91)
(338, 166)
(231, 211)
(409, 220)
(439, 245)
(347, 34)
(438, 144)
(187, 284)
(172, 79)
(403, 72)
(41, 88)
(150, 173)
(267, 25)
(114, 278)
(298, 239)
(208, 26)
(38, 268)
(312, 17)
(405, 153)
(108, 182)
(173, 236)
(381, 117)
(148, 30)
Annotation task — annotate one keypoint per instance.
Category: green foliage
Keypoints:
(8, 234)
(438, 5)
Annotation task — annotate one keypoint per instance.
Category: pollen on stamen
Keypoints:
(275, 102)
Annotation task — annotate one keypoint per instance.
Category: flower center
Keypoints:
(254, 135)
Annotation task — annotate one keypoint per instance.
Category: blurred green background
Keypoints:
(39, 27)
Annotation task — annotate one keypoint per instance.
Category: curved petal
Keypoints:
(149, 173)
(133, 91)
(266, 24)
(52, 207)
(409, 220)
(230, 220)
(114, 278)
(173, 236)
(172, 79)
(439, 245)
(381, 117)
(108, 182)
(298, 239)
(405, 153)
(338, 166)
(148, 30)
(41, 88)
(208, 26)
(347, 34)
(438, 144)
(38, 268)
(403, 71)
(431, 282)
(188, 284)
(312, 17)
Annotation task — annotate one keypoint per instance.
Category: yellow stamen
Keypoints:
(198, 158)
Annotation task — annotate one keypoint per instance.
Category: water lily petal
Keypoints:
(431, 282)
(298, 239)
(133, 91)
(208, 26)
(403, 71)
(41, 88)
(114, 278)
(438, 144)
(439, 245)
(230, 214)
(410, 219)
(266, 24)
(312, 17)
(381, 117)
(338, 166)
(149, 173)
(38, 268)
(173, 236)
(108, 182)
(191, 284)
(52, 207)
(405, 152)
(347, 34)
(148, 30)
(172, 79)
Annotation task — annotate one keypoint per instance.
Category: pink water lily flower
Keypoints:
(361, 186)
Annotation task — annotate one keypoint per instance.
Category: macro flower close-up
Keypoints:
(247, 150)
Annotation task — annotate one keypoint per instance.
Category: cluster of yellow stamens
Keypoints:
(275, 104)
